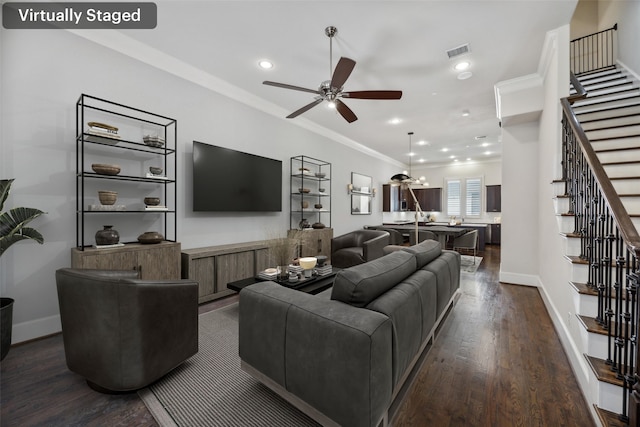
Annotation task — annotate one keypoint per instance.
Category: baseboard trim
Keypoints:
(33, 329)
(519, 279)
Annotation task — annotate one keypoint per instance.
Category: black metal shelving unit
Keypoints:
(304, 174)
(130, 147)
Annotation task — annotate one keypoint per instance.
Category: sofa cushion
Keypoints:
(361, 284)
(425, 251)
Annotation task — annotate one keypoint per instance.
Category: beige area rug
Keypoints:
(210, 389)
(467, 264)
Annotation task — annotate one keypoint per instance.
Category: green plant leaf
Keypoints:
(5, 186)
(13, 227)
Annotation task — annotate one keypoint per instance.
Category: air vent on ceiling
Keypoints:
(460, 50)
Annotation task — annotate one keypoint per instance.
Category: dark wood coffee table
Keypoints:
(313, 285)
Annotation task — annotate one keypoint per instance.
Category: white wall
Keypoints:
(43, 74)
(627, 15)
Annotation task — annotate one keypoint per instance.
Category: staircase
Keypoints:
(605, 300)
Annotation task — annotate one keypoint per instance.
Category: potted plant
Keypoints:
(13, 228)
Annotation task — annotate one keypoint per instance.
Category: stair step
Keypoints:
(607, 86)
(583, 289)
(609, 419)
(621, 169)
(627, 131)
(631, 109)
(607, 98)
(616, 155)
(611, 122)
(603, 371)
(610, 77)
(584, 77)
(603, 106)
(616, 143)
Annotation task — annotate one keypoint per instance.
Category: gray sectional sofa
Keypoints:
(343, 355)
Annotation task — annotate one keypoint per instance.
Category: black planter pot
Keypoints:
(6, 323)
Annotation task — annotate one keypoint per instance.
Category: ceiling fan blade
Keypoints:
(305, 108)
(373, 94)
(286, 86)
(342, 72)
(345, 111)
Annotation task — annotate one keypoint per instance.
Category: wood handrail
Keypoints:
(581, 92)
(628, 231)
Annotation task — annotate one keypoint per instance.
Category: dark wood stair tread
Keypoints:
(609, 419)
(603, 371)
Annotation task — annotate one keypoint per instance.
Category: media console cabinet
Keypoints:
(215, 266)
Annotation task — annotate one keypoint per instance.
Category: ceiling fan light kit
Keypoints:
(333, 89)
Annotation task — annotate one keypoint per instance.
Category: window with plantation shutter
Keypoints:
(472, 195)
(454, 193)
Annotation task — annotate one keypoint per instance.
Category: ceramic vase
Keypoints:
(107, 236)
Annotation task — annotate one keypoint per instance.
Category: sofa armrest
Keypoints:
(374, 248)
(333, 356)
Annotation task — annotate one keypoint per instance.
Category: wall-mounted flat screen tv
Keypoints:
(226, 180)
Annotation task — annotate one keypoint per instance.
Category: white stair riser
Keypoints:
(561, 205)
(565, 223)
(620, 156)
(558, 188)
(600, 75)
(594, 344)
(632, 204)
(603, 89)
(609, 144)
(614, 133)
(611, 100)
(572, 246)
(585, 305)
(611, 122)
(613, 113)
(620, 171)
(626, 186)
(580, 274)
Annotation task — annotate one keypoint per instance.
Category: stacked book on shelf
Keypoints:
(268, 274)
(103, 130)
(324, 270)
(295, 269)
(155, 208)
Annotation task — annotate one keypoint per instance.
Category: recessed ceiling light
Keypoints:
(468, 159)
(412, 154)
(460, 66)
(487, 153)
(465, 113)
(422, 142)
(452, 157)
(464, 75)
(444, 150)
(485, 144)
(395, 121)
(265, 64)
(421, 160)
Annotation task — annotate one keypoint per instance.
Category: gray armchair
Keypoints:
(121, 333)
(358, 247)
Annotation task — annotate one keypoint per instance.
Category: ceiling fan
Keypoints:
(332, 90)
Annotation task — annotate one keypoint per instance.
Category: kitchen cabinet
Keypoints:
(430, 199)
(494, 234)
(494, 198)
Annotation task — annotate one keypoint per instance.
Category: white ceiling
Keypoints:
(397, 45)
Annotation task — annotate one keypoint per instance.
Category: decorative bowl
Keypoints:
(155, 170)
(152, 201)
(322, 190)
(318, 206)
(103, 169)
(153, 140)
(150, 237)
(304, 190)
(321, 260)
(320, 174)
(107, 197)
(318, 225)
(308, 262)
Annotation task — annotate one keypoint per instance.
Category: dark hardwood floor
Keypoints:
(497, 361)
